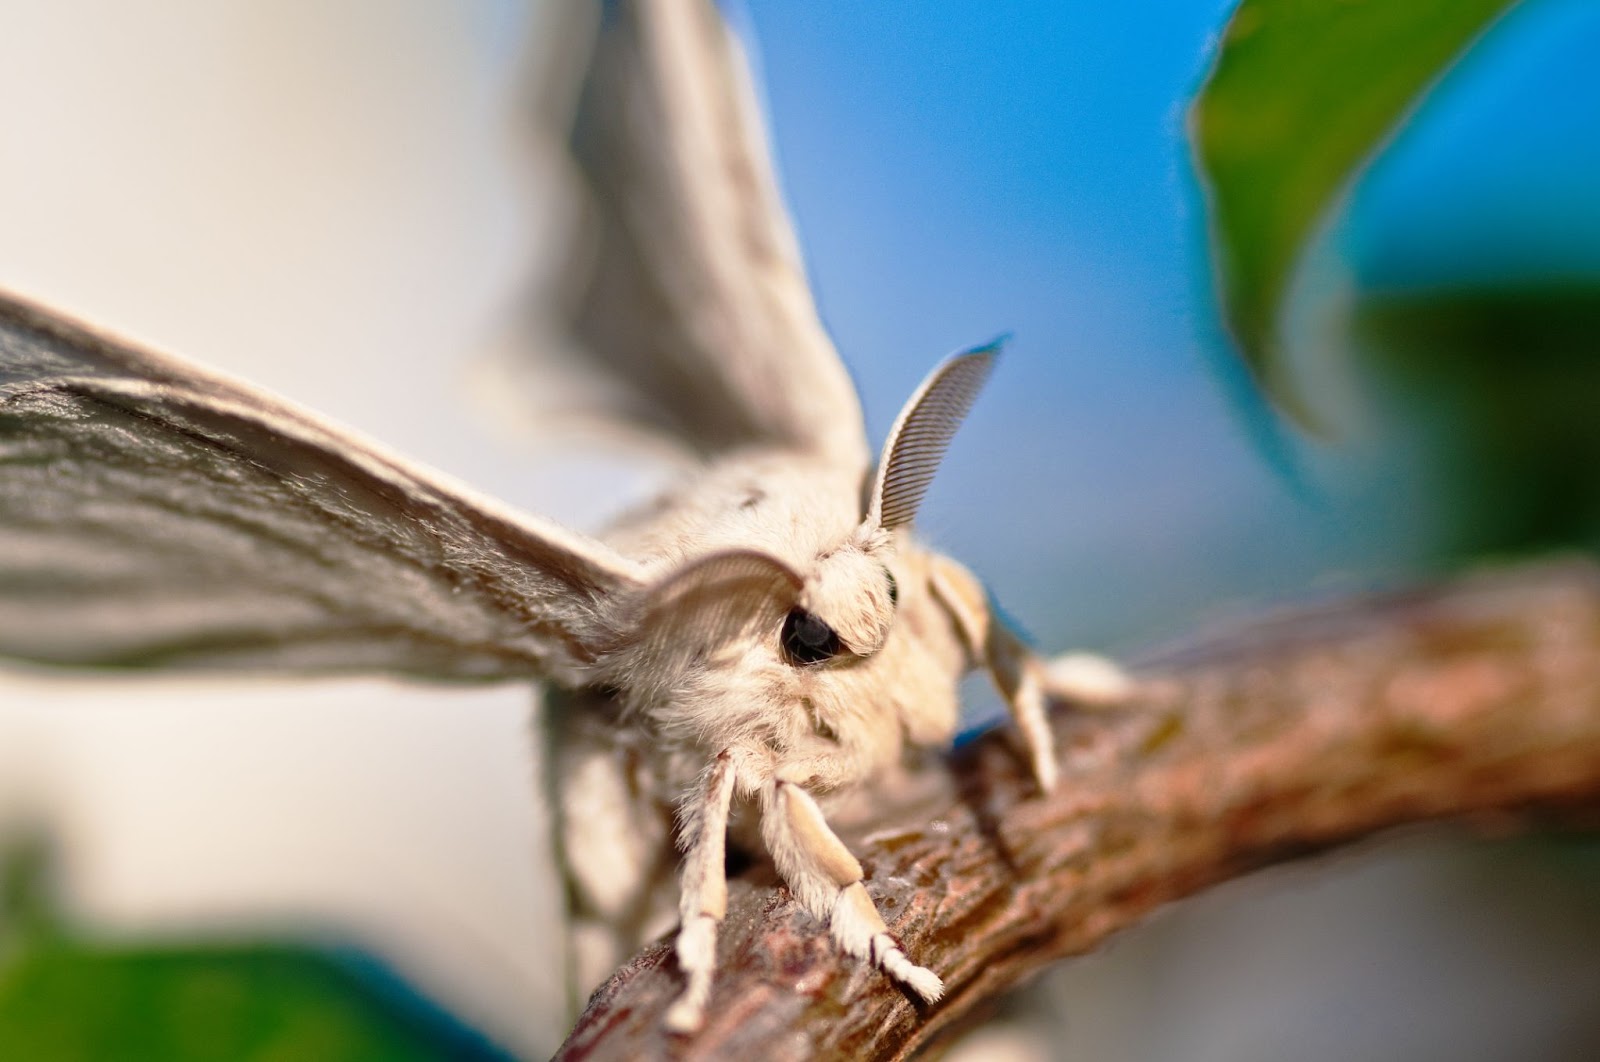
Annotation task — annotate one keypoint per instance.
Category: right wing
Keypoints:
(695, 317)
(154, 513)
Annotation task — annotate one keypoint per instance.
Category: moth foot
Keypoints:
(921, 980)
(686, 1015)
(697, 951)
(1088, 681)
(860, 931)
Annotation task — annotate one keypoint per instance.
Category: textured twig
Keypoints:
(1477, 700)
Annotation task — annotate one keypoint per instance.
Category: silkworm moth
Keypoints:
(750, 652)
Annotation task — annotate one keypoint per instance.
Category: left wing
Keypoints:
(154, 513)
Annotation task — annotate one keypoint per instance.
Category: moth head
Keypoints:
(845, 609)
(848, 604)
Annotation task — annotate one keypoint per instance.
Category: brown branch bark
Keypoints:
(1478, 700)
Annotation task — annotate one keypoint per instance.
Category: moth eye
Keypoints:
(894, 587)
(808, 640)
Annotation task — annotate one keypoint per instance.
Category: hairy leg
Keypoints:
(703, 897)
(826, 879)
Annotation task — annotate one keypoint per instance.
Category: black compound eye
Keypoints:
(808, 640)
(894, 588)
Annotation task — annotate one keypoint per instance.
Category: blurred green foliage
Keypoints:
(1502, 385)
(63, 999)
(1301, 95)
(1486, 393)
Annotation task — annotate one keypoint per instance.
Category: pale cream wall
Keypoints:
(327, 199)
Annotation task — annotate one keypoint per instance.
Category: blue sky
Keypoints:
(959, 171)
(1029, 160)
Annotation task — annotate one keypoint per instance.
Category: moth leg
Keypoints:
(703, 899)
(1020, 677)
(1017, 672)
(826, 879)
(612, 835)
(1025, 681)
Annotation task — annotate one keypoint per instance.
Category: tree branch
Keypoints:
(1478, 700)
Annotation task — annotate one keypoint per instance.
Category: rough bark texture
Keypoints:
(1479, 700)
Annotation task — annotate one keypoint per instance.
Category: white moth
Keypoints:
(753, 651)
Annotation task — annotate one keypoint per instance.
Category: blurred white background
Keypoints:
(340, 202)
(329, 200)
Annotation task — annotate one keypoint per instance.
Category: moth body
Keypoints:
(795, 643)
(846, 712)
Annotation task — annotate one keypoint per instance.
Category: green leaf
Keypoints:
(63, 998)
(65, 1001)
(1302, 94)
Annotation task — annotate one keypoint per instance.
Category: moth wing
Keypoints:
(154, 513)
(688, 307)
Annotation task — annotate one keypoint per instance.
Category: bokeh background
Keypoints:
(348, 203)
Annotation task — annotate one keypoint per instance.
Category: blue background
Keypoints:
(959, 171)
